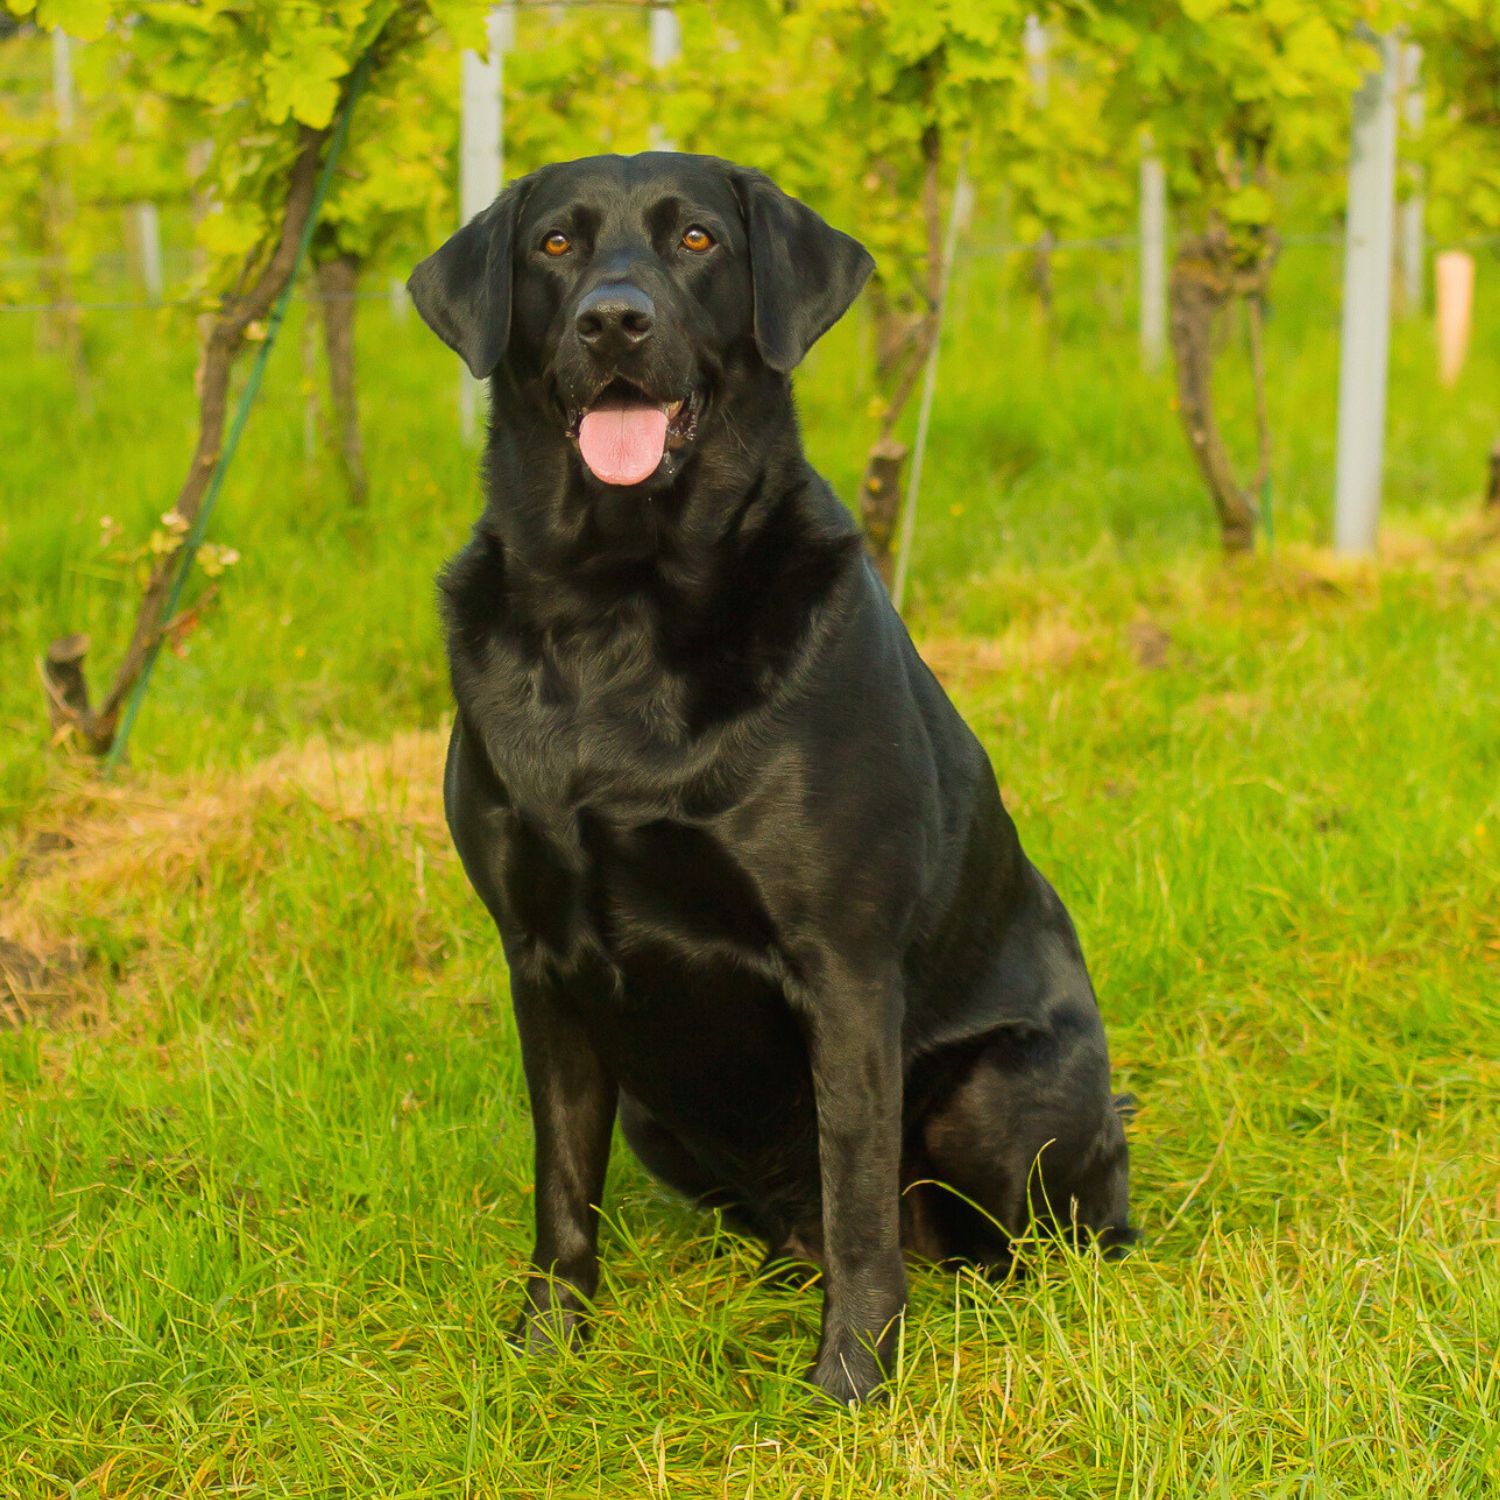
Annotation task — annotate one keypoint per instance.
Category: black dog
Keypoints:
(753, 878)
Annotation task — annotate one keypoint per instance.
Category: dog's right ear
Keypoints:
(462, 289)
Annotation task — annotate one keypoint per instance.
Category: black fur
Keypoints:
(755, 885)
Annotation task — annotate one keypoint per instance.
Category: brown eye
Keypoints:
(697, 239)
(557, 243)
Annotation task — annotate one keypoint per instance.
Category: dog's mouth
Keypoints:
(623, 434)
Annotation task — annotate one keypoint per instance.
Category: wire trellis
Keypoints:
(1113, 243)
(200, 304)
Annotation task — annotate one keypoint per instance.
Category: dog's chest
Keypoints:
(598, 724)
(657, 938)
(647, 906)
(608, 849)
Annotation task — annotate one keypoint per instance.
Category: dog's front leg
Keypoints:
(854, 1038)
(572, 1111)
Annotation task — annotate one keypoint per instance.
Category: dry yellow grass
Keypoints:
(153, 833)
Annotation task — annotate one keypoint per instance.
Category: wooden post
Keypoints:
(307, 347)
(1412, 239)
(1036, 47)
(61, 328)
(481, 163)
(1455, 313)
(147, 226)
(1153, 259)
(198, 156)
(337, 283)
(666, 47)
(1365, 345)
(1034, 43)
(62, 82)
(929, 389)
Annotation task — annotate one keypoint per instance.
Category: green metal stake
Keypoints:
(242, 411)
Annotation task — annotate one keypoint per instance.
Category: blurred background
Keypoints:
(1171, 417)
(1138, 213)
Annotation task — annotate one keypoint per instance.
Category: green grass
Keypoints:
(265, 1162)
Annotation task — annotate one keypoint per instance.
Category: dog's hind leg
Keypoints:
(1028, 1132)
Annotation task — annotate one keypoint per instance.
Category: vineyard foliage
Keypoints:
(202, 103)
(1461, 145)
(205, 104)
(863, 107)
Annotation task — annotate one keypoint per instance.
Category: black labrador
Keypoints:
(756, 888)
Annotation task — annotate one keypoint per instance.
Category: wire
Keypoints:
(1104, 242)
(247, 397)
(202, 304)
(1118, 243)
(929, 387)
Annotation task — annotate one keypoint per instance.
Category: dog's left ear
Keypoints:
(805, 272)
(462, 289)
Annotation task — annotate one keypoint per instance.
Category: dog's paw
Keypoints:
(553, 1321)
(849, 1374)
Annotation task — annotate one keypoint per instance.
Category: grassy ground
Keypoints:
(265, 1158)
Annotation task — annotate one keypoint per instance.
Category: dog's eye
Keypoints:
(557, 243)
(697, 239)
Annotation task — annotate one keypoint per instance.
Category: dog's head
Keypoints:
(626, 295)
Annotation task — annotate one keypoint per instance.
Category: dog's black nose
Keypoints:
(615, 317)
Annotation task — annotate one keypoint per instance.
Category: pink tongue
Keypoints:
(623, 444)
